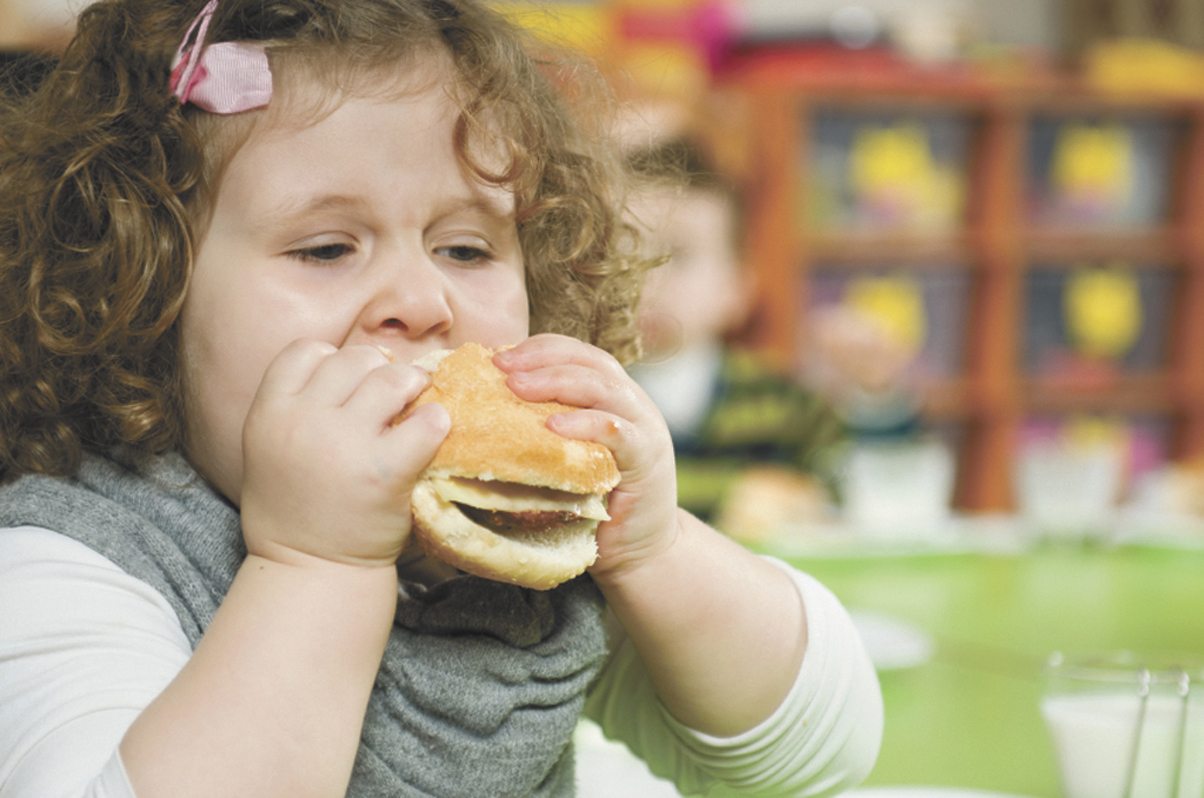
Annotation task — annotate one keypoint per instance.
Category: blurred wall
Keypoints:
(1030, 23)
(39, 23)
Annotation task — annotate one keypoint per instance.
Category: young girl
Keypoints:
(214, 223)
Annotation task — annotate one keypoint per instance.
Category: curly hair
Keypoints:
(105, 180)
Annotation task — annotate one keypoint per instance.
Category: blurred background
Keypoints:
(931, 327)
(975, 229)
(978, 225)
(989, 212)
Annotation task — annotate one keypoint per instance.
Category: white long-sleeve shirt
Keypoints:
(85, 647)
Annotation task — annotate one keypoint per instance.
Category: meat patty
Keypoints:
(501, 522)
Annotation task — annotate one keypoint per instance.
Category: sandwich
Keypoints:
(506, 498)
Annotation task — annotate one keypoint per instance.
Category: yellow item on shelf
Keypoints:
(1145, 66)
(657, 68)
(1094, 162)
(1103, 311)
(893, 167)
(896, 303)
(885, 158)
(1088, 432)
(588, 27)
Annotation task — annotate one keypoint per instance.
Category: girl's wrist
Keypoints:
(292, 564)
(362, 596)
(318, 551)
(642, 565)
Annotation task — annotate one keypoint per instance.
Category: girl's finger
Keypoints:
(411, 444)
(580, 386)
(629, 443)
(540, 351)
(384, 392)
(292, 369)
(610, 430)
(338, 376)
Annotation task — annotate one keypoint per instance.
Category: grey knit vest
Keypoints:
(481, 683)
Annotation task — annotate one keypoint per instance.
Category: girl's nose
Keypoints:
(410, 300)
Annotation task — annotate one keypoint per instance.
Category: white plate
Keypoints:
(891, 642)
(925, 792)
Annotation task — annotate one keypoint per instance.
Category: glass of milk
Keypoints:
(1126, 725)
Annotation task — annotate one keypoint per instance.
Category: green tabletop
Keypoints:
(969, 716)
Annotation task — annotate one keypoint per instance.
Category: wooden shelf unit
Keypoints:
(997, 244)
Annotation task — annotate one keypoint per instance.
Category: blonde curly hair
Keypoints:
(105, 181)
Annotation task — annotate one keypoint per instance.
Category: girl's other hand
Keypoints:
(619, 415)
(326, 472)
(720, 631)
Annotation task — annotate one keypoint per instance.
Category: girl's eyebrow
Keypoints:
(292, 209)
(298, 208)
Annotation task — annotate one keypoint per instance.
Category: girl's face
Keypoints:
(360, 228)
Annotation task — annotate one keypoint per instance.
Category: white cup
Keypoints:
(1069, 492)
(899, 489)
(1127, 726)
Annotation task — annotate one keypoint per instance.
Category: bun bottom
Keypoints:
(540, 560)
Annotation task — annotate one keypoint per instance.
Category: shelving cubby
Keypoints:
(1002, 261)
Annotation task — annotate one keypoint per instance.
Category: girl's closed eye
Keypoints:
(465, 253)
(322, 253)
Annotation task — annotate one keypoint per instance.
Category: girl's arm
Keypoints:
(84, 647)
(720, 631)
(273, 699)
(822, 740)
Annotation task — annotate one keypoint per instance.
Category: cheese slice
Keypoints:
(511, 497)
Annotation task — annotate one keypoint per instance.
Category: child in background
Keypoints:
(212, 222)
(740, 429)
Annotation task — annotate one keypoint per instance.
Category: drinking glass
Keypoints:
(1126, 725)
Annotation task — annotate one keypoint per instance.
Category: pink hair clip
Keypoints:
(222, 78)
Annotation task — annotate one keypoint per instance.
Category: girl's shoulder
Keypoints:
(73, 587)
(83, 648)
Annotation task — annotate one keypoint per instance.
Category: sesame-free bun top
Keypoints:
(495, 435)
(538, 535)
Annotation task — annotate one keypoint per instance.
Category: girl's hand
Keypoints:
(617, 414)
(720, 631)
(325, 473)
